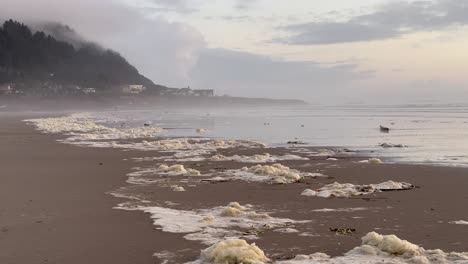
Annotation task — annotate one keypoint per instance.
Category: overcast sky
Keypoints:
(347, 50)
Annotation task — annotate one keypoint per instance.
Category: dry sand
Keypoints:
(54, 206)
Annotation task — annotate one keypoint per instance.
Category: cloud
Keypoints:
(244, 4)
(229, 18)
(161, 50)
(388, 21)
(245, 74)
(178, 6)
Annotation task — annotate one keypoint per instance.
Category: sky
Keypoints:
(350, 51)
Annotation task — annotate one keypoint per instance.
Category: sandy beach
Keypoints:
(56, 207)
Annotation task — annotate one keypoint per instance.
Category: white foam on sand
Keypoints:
(191, 156)
(177, 188)
(375, 248)
(275, 173)
(460, 222)
(286, 230)
(372, 161)
(345, 210)
(177, 170)
(232, 251)
(165, 256)
(258, 158)
(345, 190)
(152, 175)
(212, 225)
(192, 145)
(83, 127)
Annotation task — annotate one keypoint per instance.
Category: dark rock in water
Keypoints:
(389, 145)
(384, 129)
(406, 188)
(296, 143)
(343, 231)
(147, 125)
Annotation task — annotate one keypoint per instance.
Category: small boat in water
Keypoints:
(384, 129)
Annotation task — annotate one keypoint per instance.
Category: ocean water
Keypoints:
(436, 134)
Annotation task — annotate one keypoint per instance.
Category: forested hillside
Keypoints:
(34, 58)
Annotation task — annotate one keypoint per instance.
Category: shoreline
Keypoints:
(413, 215)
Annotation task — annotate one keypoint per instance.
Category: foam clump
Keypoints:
(176, 188)
(234, 209)
(287, 230)
(213, 225)
(233, 251)
(323, 153)
(209, 218)
(195, 146)
(257, 158)
(83, 127)
(178, 169)
(275, 173)
(391, 185)
(460, 222)
(390, 244)
(281, 174)
(345, 190)
(376, 248)
(231, 211)
(372, 161)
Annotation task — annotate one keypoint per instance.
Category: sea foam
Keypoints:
(344, 190)
(212, 225)
(375, 248)
(275, 173)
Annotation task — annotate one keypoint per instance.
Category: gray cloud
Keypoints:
(246, 74)
(244, 4)
(161, 50)
(389, 21)
(229, 18)
(179, 6)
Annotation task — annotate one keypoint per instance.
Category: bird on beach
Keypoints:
(384, 129)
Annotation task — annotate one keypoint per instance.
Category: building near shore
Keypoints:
(89, 91)
(6, 89)
(133, 89)
(206, 93)
(188, 92)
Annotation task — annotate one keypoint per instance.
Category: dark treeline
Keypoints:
(33, 58)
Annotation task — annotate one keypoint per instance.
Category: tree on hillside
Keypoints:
(35, 57)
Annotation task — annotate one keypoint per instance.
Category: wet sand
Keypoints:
(54, 206)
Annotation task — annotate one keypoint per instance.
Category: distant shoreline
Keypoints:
(98, 102)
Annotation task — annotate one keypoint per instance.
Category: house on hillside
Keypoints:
(89, 91)
(6, 89)
(133, 89)
(204, 93)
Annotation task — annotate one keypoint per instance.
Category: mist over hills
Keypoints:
(54, 53)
